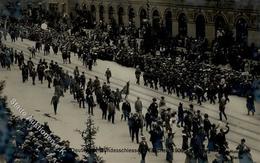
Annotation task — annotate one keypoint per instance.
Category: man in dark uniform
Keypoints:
(143, 148)
(54, 102)
(90, 63)
(211, 93)
(180, 114)
(72, 86)
(83, 80)
(90, 84)
(25, 72)
(137, 75)
(207, 125)
(108, 75)
(69, 56)
(48, 75)
(16, 57)
(40, 71)
(103, 107)
(20, 59)
(30, 65)
(221, 137)
(155, 79)
(96, 83)
(136, 127)
(90, 100)
(81, 98)
(111, 111)
(76, 71)
(33, 75)
(154, 108)
(33, 51)
(145, 77)
(150, 78)
(199, 92)
(126, 109)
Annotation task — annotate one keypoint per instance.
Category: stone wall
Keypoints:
(230, 11)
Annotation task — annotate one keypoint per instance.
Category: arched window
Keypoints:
(131, 15)
(156, 22)
(143, 17)
(200, 26)
(110, 13)
(93, 13)
(101, 13)
(183, 29)
(120, 16)
(241, 30)
(168, 22)
(220, 26)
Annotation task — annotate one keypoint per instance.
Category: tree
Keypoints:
(3, 103)
(89, 147)
(4, 116)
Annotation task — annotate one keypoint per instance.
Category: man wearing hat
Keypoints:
(126, 109)
(54, 102)
(138, 106)
(96, 83)
(81, 98)
(143, 148)
(108, 75)
(136, 127)
(169, 144)
(154, 108)
(83, 80)
(111, 111)
(180, 114)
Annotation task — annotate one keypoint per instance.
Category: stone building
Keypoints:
(196, 18)
(61, 6)
(200, 18)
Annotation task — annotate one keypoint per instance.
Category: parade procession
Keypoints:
(150, 81)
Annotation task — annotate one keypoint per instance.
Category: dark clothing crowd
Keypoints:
(23, 141)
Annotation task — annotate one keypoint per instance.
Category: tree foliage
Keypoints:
(4, 116)
(2, 99)
(89, 147)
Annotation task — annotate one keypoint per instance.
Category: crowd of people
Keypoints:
(22, 141)
(191, 76)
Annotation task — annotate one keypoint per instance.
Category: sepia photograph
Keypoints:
(129, 81)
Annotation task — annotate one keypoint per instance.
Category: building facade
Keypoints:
(200, 18)
(203, 18)
(61, 6)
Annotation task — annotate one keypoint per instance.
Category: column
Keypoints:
(210, 32)
(191, 29)
(175, 28)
